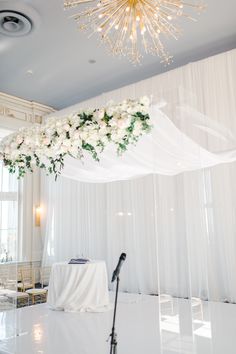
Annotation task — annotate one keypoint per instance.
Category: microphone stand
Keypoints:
(116, 276)
(113, 335)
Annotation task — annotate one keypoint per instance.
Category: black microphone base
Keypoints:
(113, 349)
(113, 335)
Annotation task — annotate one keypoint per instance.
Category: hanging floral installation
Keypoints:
(91, 131)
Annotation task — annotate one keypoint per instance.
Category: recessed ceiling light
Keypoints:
(29, 72)
(92, 61)
(14, 24)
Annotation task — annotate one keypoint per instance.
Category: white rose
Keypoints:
(6, 150)
(19, 139)
(75, 143)
(121, 123)
(84, 135)
(103, 131)
(92, 139)
(118, 135)
(74, 151)
(127, 118)
(36, 141)
(145, 101)
(114, 121)
(67, 142)
(24, 151)
(66, 127)
(13, 145)
(60, 138)
(138, 127)
(124, 107)
(100, 113)
(110, 111)
(58, 124)
(49, 131)
(14, 154)
(27, 141)
(76, 135)
(46, 141)
(132, 110)
(63, 150)
(60, 130)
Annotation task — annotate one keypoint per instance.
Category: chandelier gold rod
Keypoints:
(149, 25)
(90, 12)
(116, 20)
(113, 14)
(168, 27)
(75, 3)
(115, 10)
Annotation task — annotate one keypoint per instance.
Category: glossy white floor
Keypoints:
(144, 326)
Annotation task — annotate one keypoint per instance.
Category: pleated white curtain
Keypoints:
(178, 231)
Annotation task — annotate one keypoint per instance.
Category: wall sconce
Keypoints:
(38, 212)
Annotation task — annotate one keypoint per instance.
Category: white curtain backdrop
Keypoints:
(178, 231)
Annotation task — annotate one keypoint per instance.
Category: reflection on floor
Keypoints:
(145, 325)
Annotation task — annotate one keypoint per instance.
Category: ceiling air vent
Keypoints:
(14, 24)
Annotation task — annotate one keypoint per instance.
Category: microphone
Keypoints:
(116, 272)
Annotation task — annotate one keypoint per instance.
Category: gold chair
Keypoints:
(19, 299)
(27, 286)
(27, 276)
(37, 293)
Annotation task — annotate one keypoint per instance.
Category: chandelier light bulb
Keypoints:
(143, 30)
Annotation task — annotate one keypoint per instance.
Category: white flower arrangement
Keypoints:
(46, 146)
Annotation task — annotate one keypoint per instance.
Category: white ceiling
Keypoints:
(58, 54)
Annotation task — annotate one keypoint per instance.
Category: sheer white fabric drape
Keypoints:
(178, 231)
(166, 151)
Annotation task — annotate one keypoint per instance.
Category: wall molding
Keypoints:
(22, 110)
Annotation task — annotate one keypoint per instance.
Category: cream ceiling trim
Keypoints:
(16, 112)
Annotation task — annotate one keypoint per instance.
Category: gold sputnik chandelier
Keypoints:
(134, 27)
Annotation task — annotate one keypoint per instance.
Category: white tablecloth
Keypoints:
(79, 287)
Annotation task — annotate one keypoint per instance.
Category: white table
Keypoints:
(79, 287)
